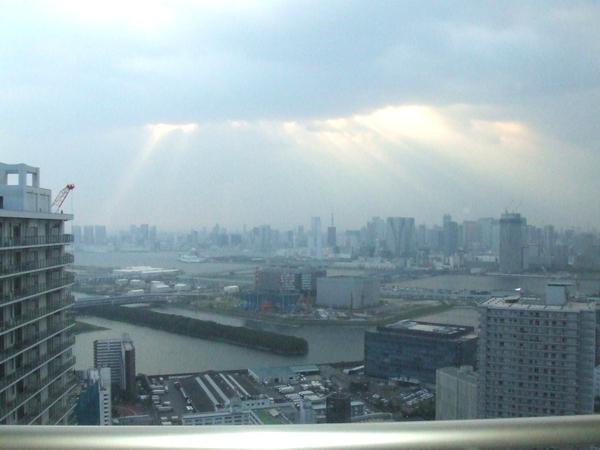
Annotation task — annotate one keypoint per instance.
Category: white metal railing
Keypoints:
(521, 433)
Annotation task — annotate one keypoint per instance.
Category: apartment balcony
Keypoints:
(37, 314)
(23, 397)
(31, 367)
(52, 400)
(522, 433)
(10, 270)
(63, 281)
(35, 241)
(35, 339)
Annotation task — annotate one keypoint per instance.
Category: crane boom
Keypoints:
(61, 197)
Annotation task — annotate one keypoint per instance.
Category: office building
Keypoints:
(449, 236)
(316, 245)
(36, 362)
(512, 243)
(119, 355)
(413, 351)
(94, 406)
(400, 236)
(456, 393)
(338, 408)
(347, 292)
(536, 359)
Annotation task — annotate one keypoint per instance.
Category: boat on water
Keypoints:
(191, 257)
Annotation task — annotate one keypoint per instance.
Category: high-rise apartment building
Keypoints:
(119, 355)
(536, 359)
(36, 362)
(512, 243)
(456, 393)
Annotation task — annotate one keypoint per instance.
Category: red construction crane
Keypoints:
(61, 197)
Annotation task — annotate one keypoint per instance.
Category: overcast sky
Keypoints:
(185, 114)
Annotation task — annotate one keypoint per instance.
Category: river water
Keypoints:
(160, 352)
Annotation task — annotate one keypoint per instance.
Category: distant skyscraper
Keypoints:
(316, 238)
(400, 236)
(450, 235)
(88, 234)
(99, 234)
(76, 230)
(536, 359)
(36, 361)
(512, 243)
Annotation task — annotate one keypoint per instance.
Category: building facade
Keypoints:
(536, 359)
(413, 351)
(94, 406)
(456, 393)
(347, 292)
(36, 361)
(119, 356)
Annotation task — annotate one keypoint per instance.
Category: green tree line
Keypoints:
(203, 329)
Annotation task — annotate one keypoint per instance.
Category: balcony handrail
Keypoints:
(66, 279)
(30, 316)
(10, 269)
(36, 240)
(7, 380)
(35, 339)
(565, 431)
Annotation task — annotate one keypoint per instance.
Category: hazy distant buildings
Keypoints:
(316, 245)
(338, 408)
(400, 236)
(450, 236)
(536, 359)
(413, 350)
(512, 243)
(456, 393)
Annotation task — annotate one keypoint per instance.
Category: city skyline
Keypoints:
(166, 111)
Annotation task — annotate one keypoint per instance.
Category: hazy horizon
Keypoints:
(186, 114)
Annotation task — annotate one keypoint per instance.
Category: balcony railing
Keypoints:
(27, 368)
(26, 395)
(34, 339)
(35, 240)
(52, 398)
(30, 316)
(522, 433)
(30, 266)
(64, 280)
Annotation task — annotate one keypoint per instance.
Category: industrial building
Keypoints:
(413, 351)
(456, 393)
(283, 288)
(36, 361)
(347, 292)
(537, 358)
(119, 355)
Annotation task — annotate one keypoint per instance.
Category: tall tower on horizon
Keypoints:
(512, 243)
